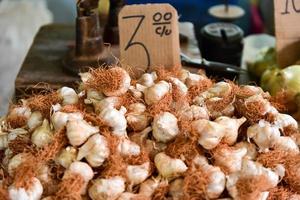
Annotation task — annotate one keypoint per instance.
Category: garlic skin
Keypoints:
(180, 85)
(136, 174)
(128, 148)
(33, 193)
(194, 112)
(230, 159)
(21, 111)
(35, 120)
(148, 79)
(193, 79)
(116, 120)
(3, 141)
(268, 108)
(176, 189)
(168, 167)
(183, 75)
(263, 134)
(251, 149)
(165, 127)
(156, 92)
(285, 144)
(285, 120)
(124, 84)
(210, 133)
(108, 102)
(44, 174)
(68, 95)
(42, 135)
(148, 187)
(137, 118)
(231, 126)
(129, 196)
(78, 131)
(93, 97)
(95, 150)
(82, 169)
(217, 181)
(66, 157)
(107, 189)
(60, 119)
(15, 162)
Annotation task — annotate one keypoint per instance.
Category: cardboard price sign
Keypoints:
(287, 26)
(149, 36)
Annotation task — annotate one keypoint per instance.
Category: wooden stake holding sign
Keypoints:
(287, 26)
(149, 37)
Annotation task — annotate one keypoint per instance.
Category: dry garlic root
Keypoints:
(168, 135)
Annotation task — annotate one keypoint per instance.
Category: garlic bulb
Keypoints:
(268, 108)
(78, 131)
(216, 184)
(107, 189)
(194, 112)
(44, 174)
(60, 119)
(3, 141)
(128, 148)
(263, 134)
(136, 92)
(108, 102)
(130, 196)
(15, 162)
(123, 85)
(183, 75)
(95, 150)
(227, 111)
(137, 118)
(193, 79)
(35, 120)
(115, 119)
(285, 144)
(285, 120)
(231, 126)
(148, 187)
(210, 133)
(230, 159)
(42, 135)
(137, 108)
(68, 95)
(169, 167)
(136, 174)
(33, 193)
(148, 79)
(66, 157)
(93, 97)
(180, 85)
(156, 92)
(82, 169)
(165, 127)
(251, 149)
(176, 189)
(21, 111)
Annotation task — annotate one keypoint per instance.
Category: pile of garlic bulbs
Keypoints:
(168, 135)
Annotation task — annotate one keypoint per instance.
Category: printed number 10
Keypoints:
(287, 7)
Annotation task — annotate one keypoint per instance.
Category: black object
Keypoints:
(222, 42)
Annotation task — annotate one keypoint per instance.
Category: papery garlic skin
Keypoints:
(95, 150)
(285, 120)
(21, 111)
(169, 167)
(108, 102)
(68, 95)
(78, 131)
(42, 135)
(268, 108)
(129, 196)
(231, 126)
(116, 120)
(33, 193)
(148, 187)
(60, 119)
(66, 157)
(230, 159)
(194, 112)
(210, 133)
(128, 148)
(35, 120)
(263, 134)
(136, 174)
(285, 144)
(180, 85)
(124, 84)
(193, 79)
(148, 79)
(3, 141)
(107, 189)
(15, 162)
(251, 149)
(156, 92)
(137, 118)
(176, 189)
(93, 97)
(217, 178)
(44, 174)
(165, 127)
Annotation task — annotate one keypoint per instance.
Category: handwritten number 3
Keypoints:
(131, 42)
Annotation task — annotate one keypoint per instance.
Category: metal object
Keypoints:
(89, 47)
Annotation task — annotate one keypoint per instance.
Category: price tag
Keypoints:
(149, 36)
(287, 26)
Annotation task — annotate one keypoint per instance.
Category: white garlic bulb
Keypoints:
(138, 122)
(123, 85)
(180, 85)
(230, 158)
(285, 120)
(137, 108)
(116, 120)
(35, 120)
(263, 134)
(176, 189)
(15, 162)
(66, 156)
(183, 75)
(83, 169)
(135, 92)
(268, 108)
(165, 127)
(60, 119)
(285, 144)
(129, 196)
(194, 112)
(169, 167)
(251, 149)
(78, 131)
(95, 150)
(108, 102)
(148, 187)
(93, 97)
(42, 135)
(21, 111)
(193, 79)
(68, 95)
(217, 180)
(44, 174)
(210, 133)
(136, 174)
(128, 148)
(3, 141)
(148, 79)
(107, 189)
(231, 126)
(33, 193)
(156, 92)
